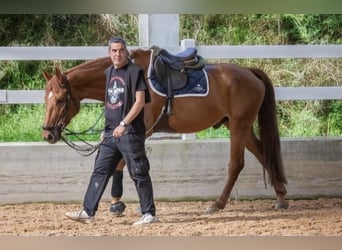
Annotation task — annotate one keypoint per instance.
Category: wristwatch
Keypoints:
(123, 124)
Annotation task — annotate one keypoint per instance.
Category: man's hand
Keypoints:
(119, 131)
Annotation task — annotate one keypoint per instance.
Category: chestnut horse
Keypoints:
(237, 97)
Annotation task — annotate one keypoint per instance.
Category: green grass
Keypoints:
(295, 119)
(87, 118)
(21, 122)
(25, 123)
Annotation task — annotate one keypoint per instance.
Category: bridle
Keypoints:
(60, 124)
(61, 121)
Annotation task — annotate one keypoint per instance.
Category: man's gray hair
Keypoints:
(117, 39)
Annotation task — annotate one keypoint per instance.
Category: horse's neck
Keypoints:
(88, 84)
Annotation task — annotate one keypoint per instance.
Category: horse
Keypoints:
(238, 97)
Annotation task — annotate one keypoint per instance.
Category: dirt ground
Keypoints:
(247, 217)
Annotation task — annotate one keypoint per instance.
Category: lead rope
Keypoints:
(148, 131)
(88, 148)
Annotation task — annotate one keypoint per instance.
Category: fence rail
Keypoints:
(220, 51)
(281, 94)
(212, 52)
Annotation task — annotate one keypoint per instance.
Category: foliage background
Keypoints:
(296, 118)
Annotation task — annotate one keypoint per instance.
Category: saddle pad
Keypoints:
(197, 84)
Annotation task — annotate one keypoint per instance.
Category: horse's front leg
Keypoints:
(235, 166)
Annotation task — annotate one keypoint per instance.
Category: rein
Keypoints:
(89, 148)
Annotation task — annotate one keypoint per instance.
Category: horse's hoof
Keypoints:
(212, 209)
(281, 205)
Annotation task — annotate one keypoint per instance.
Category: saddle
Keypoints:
(171, 70)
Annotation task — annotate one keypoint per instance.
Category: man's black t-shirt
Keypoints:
(118, 87)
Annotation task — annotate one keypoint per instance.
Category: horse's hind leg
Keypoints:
(236, 164)
(117, 187)
(253, 145)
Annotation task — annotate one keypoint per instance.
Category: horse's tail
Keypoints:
(269, 132)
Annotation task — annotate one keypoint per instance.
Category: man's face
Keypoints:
(118, 54)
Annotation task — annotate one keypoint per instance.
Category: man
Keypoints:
(124, 136)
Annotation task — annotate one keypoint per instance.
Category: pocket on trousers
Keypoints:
(141, 165)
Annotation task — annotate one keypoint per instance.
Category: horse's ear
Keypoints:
(59, 74)
(46, 75)
(131, 54)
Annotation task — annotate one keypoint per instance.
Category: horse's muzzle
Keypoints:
(51, 134)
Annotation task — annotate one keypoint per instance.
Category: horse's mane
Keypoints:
(95, 63)
(101, 62)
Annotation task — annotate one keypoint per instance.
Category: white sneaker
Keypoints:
(80, 216)
(146, 219)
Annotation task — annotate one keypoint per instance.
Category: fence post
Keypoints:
(158, 29)
(161, 30)
(188, 43)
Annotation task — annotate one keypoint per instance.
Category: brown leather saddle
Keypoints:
(171, 70)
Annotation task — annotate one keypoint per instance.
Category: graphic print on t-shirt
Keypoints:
(115, 92)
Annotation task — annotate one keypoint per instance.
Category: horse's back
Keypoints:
(229, 72)
(234, 78)
(237, 88)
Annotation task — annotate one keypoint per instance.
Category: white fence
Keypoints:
(213, 52)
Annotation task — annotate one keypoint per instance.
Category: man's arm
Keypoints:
(136, 108)
(133, 112)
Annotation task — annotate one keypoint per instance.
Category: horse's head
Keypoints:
(60, 104)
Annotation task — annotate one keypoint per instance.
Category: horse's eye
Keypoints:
(59, 101)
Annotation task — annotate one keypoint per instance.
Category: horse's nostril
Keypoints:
(50, 137)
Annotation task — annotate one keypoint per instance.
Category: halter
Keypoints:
(60, 124)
